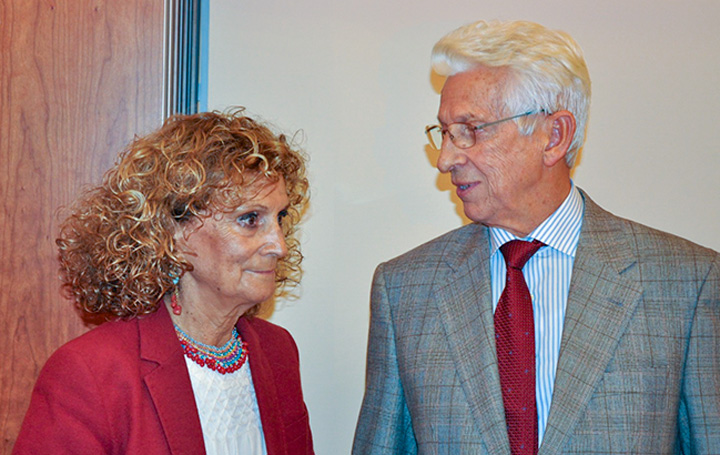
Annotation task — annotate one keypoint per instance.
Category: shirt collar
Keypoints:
(561, 230)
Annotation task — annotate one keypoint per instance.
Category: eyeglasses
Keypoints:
(462, 134)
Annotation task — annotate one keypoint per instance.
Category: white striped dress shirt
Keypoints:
(547, 274)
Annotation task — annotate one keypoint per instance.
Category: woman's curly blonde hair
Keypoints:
(117, 252)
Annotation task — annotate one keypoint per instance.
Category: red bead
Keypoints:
(176, 308)
(224, 363)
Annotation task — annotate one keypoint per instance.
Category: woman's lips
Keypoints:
(263, 272)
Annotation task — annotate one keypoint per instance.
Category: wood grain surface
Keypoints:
(78, 78)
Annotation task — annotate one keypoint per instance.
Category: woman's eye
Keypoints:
(248, 219)
(282, 216)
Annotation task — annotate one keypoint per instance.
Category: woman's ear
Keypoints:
(180, 235)
(561, 135)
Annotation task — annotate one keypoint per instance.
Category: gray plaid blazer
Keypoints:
(639, 366)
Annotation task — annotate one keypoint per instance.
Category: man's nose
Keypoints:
(450, 156)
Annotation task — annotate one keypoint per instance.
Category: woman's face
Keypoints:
(234, 254)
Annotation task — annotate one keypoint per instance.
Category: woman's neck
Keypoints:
(208, 327)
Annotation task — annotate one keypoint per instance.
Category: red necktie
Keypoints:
(515, 342)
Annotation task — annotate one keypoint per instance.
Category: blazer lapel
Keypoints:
(265, 390)
(602, 299)
(165, 374)
(464, 302)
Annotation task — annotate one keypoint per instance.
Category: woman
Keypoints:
(189, 233)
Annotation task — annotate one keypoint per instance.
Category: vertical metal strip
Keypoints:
(177, 64)
(181, 58)
(167, 52)
(203, 46)
(182, 55)
(194, 58)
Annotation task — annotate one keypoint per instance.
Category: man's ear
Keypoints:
(561, 135)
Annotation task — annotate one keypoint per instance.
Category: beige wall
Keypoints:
(353, 75)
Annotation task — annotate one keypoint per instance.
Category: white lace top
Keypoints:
(229, 413)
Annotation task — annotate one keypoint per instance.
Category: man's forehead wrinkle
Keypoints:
(467, 117)
(473, 109)
(478, 94)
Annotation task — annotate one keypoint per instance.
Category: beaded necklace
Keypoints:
(224, 359)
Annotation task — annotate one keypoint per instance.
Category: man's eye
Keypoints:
(248, 219)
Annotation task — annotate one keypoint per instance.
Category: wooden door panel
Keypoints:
(78, 78)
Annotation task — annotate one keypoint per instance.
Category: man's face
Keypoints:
(497, 178)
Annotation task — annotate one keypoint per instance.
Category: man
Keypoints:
(604, 338)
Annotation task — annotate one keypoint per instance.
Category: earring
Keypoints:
(176, 308)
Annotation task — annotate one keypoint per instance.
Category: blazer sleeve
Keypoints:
(384, 425)
(699, 412)
(66, 414)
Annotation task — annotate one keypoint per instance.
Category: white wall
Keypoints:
(353, 75)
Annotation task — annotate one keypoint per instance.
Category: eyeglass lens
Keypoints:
(461, 135)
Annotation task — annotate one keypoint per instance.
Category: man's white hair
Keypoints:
(547, 71)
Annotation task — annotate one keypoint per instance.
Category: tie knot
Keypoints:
(518, 252)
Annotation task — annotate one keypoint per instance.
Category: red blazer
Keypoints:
(124, 388)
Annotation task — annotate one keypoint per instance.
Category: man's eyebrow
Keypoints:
(465, 118)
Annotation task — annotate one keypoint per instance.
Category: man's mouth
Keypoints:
(465, 186)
